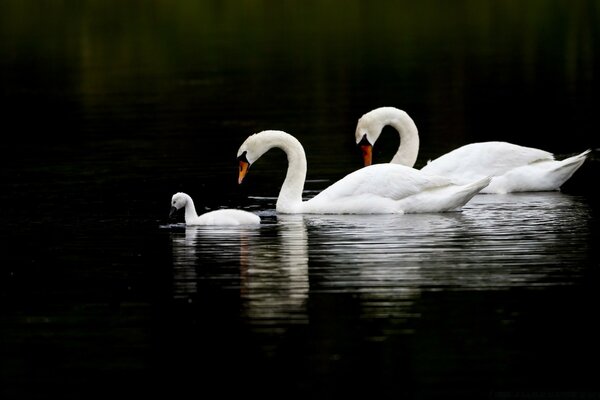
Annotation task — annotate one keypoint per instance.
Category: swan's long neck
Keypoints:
(409, 139)
(190, 210)
(290, 195)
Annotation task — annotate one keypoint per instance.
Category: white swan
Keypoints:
(513, 168)
(378, 189)
(217, 217)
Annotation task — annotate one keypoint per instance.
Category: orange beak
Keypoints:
(367, 153)
(243, 169)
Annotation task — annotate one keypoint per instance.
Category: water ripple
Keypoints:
(495, 243)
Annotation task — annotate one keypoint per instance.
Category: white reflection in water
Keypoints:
(271, 262)
(497, 242)
(275, 283)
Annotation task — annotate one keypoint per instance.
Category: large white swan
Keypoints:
(378, 189)
(513, 168)
(218, 217)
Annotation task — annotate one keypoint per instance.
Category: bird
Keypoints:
(376, 189)
(218, 217)
(513, 168)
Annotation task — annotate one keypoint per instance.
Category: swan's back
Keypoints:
(392, 181)
(228, 217)
(391, 188)
(477, 160)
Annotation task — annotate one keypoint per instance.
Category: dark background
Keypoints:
(109, 107)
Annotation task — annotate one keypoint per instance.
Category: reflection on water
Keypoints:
(275, 281)
(110, 107)
(497, 242)
(272, 266)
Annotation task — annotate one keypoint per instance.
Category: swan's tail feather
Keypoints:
(576, 160)
(443, 198)
(567, 167)
(477, 186)
(465, 193)
(468, 191)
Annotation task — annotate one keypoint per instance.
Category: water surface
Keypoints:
(110, 107)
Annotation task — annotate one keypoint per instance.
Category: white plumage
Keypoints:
(378, 189)
(217, 217)
(513, 168)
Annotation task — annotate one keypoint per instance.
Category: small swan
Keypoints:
(513, 168)
(218, 217)
(378, 189)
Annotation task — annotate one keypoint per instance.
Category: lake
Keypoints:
(111, 107)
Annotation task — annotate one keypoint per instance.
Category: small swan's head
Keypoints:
(178, 201)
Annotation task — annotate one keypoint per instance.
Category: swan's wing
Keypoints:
(390, 181)
(477, 160)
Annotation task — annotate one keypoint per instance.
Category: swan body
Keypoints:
(513, 168)
(217, 217)
(377, 189)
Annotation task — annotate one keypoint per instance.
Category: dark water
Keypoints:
(108, 108)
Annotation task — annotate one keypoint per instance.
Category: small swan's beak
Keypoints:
(367, 151)
(243, 169)
(172, 212)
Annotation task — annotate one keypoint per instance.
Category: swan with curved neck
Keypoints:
(218, 217)
(370, 126)
(513, 168)
(378, 189)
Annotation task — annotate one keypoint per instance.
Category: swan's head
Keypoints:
(178, 201)
(369, 128)
(255, 146)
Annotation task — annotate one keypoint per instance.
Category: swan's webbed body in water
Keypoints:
(217, 217)
(513, 168)
(378, 189)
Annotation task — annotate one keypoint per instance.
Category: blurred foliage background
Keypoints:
(171, 75)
